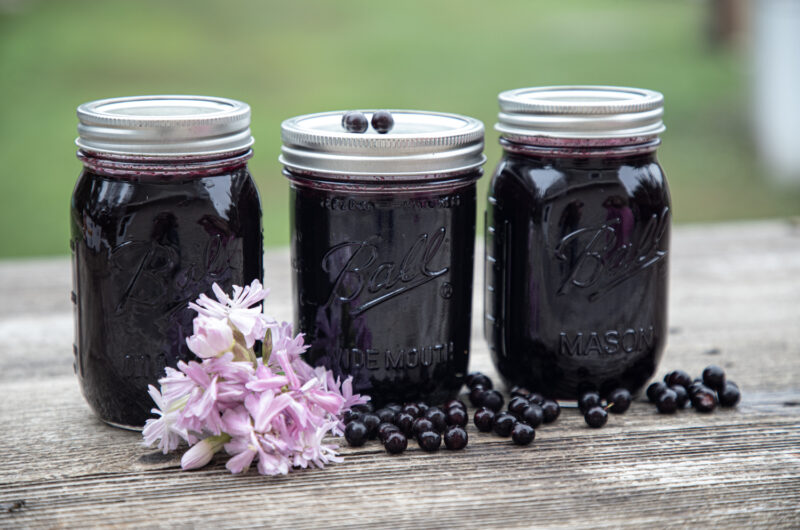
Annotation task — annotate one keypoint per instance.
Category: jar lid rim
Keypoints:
(580, 111)
(164, 125)
(420, 143)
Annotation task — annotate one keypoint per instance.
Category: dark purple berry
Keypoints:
(355, 122)
(382, 121)
(454, 403)
(551, 410)
(371, 422)
(437, 417)
(519, 391)
(385, 429)
(484, 419)
(385, 414)
(404, 420)
(535, 398)
(619, 400)
(350, 415)
(457, 416)
(654, 390)
(698, 387)
(682, 395)
(729, 396)
(596, 417)
(479, 379)
(411, 408)
(364, 407)
(533, 415)
(394, 406)
(714, 377)
(517, 405)
(421, 425)
(355, 433)
(678, 377)
(476, 395)
(396, 443)
(455, 438)
(429, 440)
(492, 399)
(667, 402)
(522, 434)
(695, 386)
(423, 407)
(704, 401)
(589, 400)
(503, 423)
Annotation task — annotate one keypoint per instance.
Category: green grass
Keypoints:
(287, 58)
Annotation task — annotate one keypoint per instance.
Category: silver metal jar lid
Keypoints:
(164, 126)
(420, 145)
(576, 112)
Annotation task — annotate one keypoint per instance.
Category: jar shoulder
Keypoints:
(100, 192)
(542, 179)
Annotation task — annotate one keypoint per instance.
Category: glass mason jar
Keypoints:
(164, 207)
(382, 246)
(577, 240)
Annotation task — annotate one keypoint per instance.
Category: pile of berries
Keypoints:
(356, 122)
(595, 413)
(393, 425)
(704, 393)
(526, 410)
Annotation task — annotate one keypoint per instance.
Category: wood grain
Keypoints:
(735, 296)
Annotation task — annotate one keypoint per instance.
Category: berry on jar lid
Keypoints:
(355, 122)
(382, 121)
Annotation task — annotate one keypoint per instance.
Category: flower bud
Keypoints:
(203, 451)
(212, 337)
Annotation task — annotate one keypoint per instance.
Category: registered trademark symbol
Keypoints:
(446, 290)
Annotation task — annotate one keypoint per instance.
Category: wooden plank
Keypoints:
(734, 301)
(641, 468)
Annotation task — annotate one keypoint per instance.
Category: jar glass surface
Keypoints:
(383, 281)
(143, 247)
(383, 230)
(577, 241)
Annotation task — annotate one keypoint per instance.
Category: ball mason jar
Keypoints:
(164, 207)
(382, 245)
(577, 240)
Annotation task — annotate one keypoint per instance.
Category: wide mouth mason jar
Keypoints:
(382, 244)
(164, 207)
(577, 240)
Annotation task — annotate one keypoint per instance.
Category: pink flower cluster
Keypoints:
(274, 409)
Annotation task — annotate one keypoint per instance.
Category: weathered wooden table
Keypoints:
(735, 301)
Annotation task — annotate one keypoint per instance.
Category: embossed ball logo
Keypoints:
(360, 275)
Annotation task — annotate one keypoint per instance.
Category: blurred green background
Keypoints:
(293, 57)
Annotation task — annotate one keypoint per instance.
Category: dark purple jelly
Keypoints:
(577, 240)
(383, 280)
(576, 269)
(143, 248)
(383, 241)
(164, 208)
